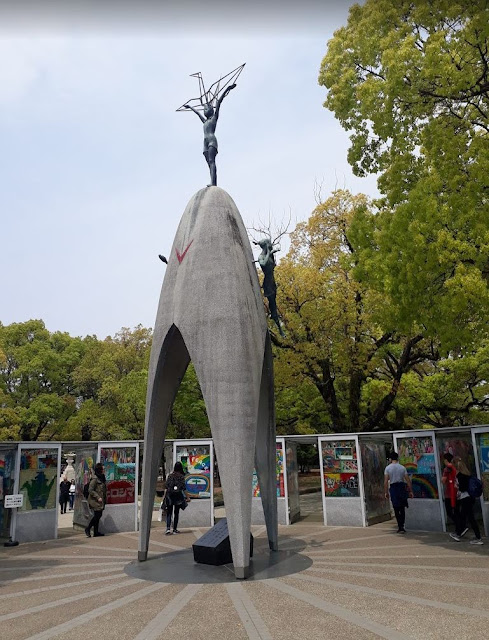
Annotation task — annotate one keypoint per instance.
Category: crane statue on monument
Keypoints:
(209, 104)
(229, 346)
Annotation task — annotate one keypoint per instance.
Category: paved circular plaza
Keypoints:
(357, 584)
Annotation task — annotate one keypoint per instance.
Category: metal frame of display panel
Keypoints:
(420, 507)
(483, 503)
(199, 443)
(355, 501)
(17, 517)
(117, 508)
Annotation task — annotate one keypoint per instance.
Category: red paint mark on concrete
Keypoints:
(181, 256)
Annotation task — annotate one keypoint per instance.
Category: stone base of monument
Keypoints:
(179, 567)
(214, 546)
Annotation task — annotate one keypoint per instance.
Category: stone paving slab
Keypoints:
(358, 584)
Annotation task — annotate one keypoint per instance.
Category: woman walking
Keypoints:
(97, 499)
(465, 504)
(175, 498)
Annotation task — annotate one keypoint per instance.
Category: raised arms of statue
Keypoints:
(207, 108)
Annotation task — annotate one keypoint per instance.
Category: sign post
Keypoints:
(12, 501)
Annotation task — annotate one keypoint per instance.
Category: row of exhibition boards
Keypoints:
(33, 471)
(351, 470)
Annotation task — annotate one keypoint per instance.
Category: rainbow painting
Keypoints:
(425, 486)
(411, 467)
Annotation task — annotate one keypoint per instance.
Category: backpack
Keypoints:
(475, 487)
(174, 496)
(86, 487)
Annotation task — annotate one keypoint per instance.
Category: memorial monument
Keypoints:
(211, 312)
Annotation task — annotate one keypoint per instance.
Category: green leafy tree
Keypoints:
(334, 345)
(37, 391)
(111, 379)
(307, 457)
(410, 81)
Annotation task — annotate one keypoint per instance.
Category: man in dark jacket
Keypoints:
(64, 493)
(97, 499)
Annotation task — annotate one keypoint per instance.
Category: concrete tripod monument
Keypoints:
(211, 312)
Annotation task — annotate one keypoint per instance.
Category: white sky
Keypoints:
(97, 167)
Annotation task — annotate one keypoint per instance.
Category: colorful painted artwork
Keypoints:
(196, 463)
(120, 474)
(483, 439)
(426, 464)
(418, 456)
(199, 463)
(254, 485)
(280, 475)
(341, 485)
(331, 464)
(425, 486)
(332, 484)
(340, 467)
(349, 465)
(460, 447)
(411, 449)
(38, 476)
(198, 484)
(484, 459)
(483, 450)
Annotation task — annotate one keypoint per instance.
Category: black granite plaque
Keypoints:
(214, 546)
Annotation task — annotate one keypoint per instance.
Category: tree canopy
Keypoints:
(57, 387)
(340, 367)
(410, 81)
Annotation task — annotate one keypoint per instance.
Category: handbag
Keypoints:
(183, 504)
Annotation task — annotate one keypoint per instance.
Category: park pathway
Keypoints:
(360, 584)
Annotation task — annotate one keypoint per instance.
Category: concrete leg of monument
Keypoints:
(241, 573)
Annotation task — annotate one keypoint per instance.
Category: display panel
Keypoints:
(38, 478)
(374, 461)
(340, 469)
(482, 440)
(196, 462)
(460, 446)
(7, 474)
(120, 474)
(279, 468)
(85, 461)
(417, 454)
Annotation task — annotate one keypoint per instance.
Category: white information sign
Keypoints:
(13, 501)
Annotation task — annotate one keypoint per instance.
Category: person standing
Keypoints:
(64, 493)
(72, 494)
(97, 499)
(175, 496)
(397, 484)
(449, 480)
(465, 506)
